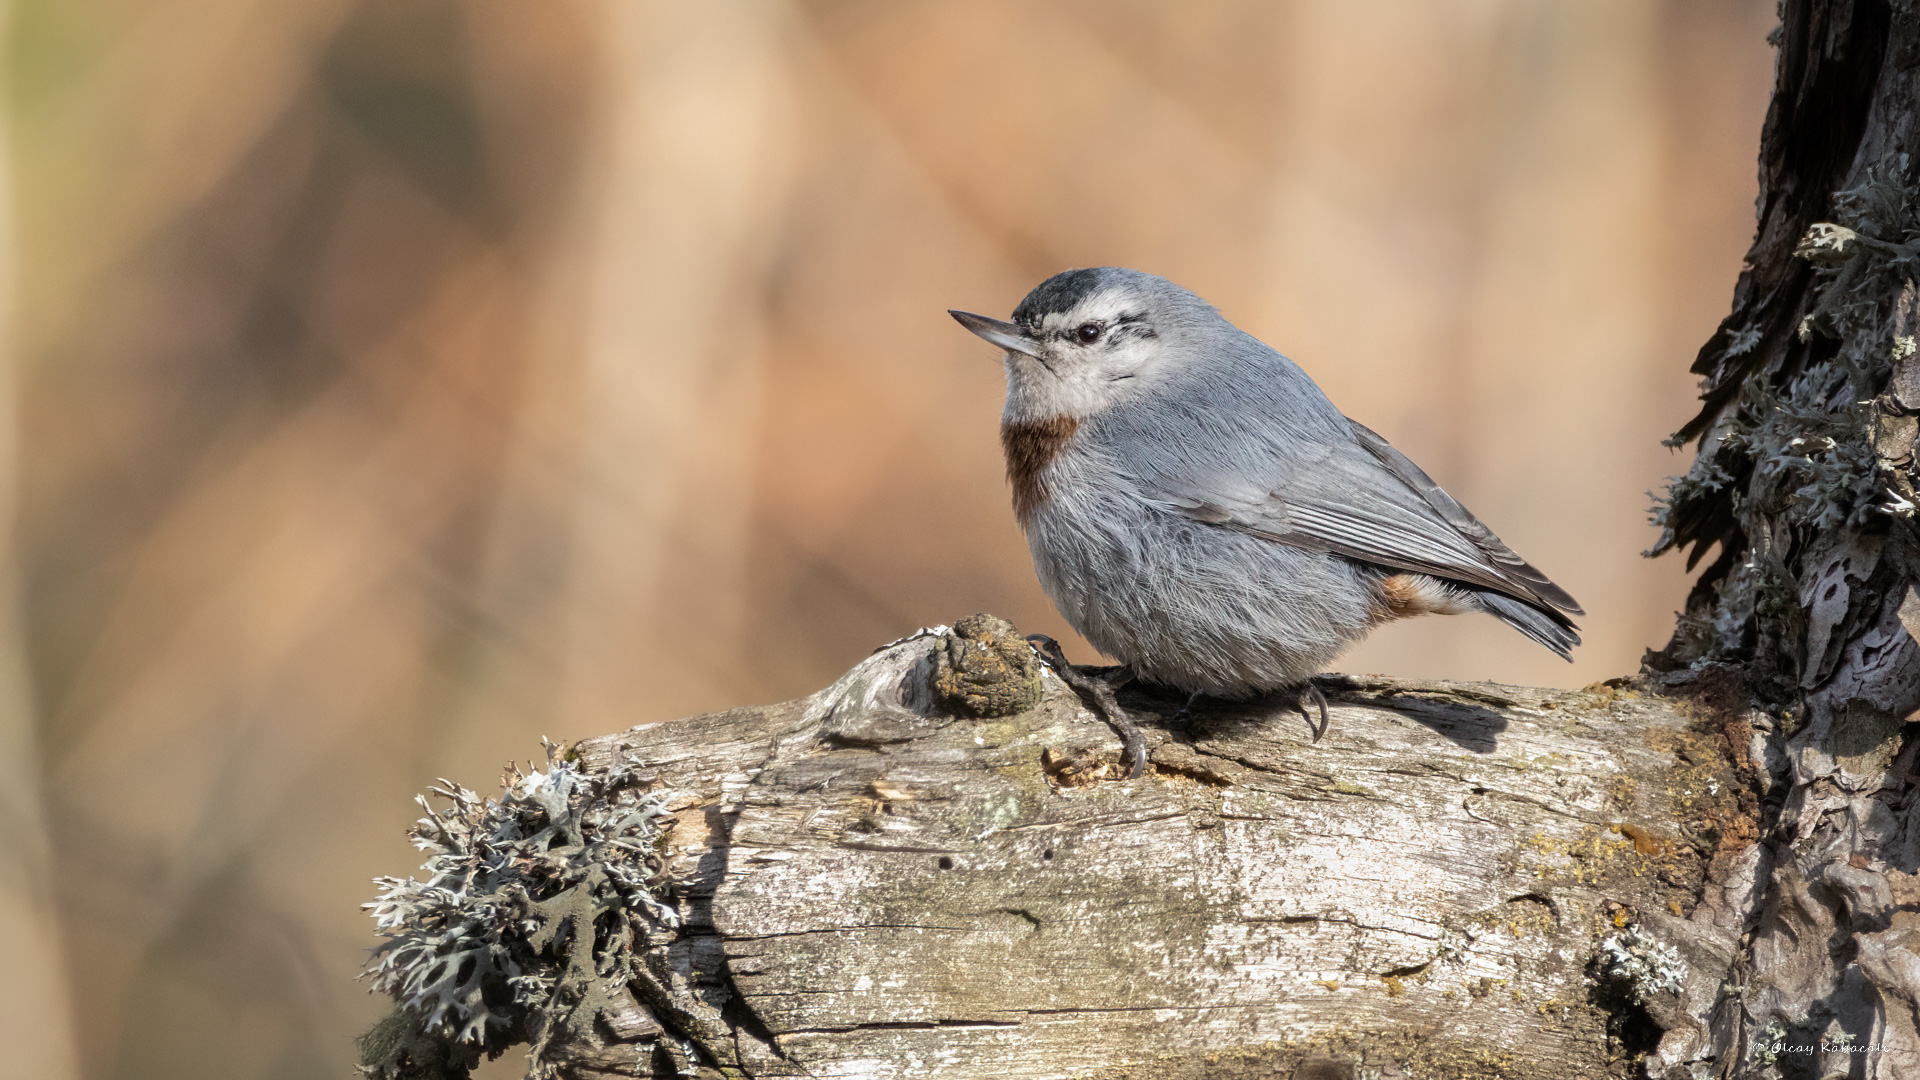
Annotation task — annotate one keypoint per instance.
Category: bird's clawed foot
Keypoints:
(1098, 691)
(1312, 693)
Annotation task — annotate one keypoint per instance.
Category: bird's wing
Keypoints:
(1374, 505)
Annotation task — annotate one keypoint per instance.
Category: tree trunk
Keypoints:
(937, 866)
(1805, 482)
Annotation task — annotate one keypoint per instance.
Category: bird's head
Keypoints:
(1085, 340)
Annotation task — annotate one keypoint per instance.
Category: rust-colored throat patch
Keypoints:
(1031, 446)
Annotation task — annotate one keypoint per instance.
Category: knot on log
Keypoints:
(984, 668)
(936, 866)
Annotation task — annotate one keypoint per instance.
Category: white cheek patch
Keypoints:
(1075, 379)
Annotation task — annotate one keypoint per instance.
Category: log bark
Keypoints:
(938, 865)
(1459, 880)
(893, 890)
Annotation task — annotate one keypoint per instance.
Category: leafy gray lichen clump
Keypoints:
(532, 905)
(1642, 966)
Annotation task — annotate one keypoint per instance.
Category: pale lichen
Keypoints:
(1640, 966)
(531, 907)
(1767, 1043)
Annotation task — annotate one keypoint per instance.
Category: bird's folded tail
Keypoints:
(1542, 624)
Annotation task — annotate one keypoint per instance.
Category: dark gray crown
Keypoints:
(1059, 293)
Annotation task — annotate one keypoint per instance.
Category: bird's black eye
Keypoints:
(1089, 331)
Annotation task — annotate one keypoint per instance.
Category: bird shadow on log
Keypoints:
(1459, 715)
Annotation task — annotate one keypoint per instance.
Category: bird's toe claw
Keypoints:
(1312, 693)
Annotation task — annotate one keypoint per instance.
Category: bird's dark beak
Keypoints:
(1004, 334)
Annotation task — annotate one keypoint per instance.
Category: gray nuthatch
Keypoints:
(1199, 510)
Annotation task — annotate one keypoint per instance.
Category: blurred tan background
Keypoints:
(393, 382)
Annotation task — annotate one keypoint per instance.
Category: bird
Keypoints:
(1199, 510)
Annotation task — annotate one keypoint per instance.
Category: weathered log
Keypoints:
(1459, 880)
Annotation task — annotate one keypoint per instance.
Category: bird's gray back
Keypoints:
(1241, 436)
(1236, 417)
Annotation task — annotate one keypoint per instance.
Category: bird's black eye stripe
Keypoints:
(1132, 325)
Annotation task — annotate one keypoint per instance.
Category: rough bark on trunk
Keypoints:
(1804, 482)
(937, 866)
